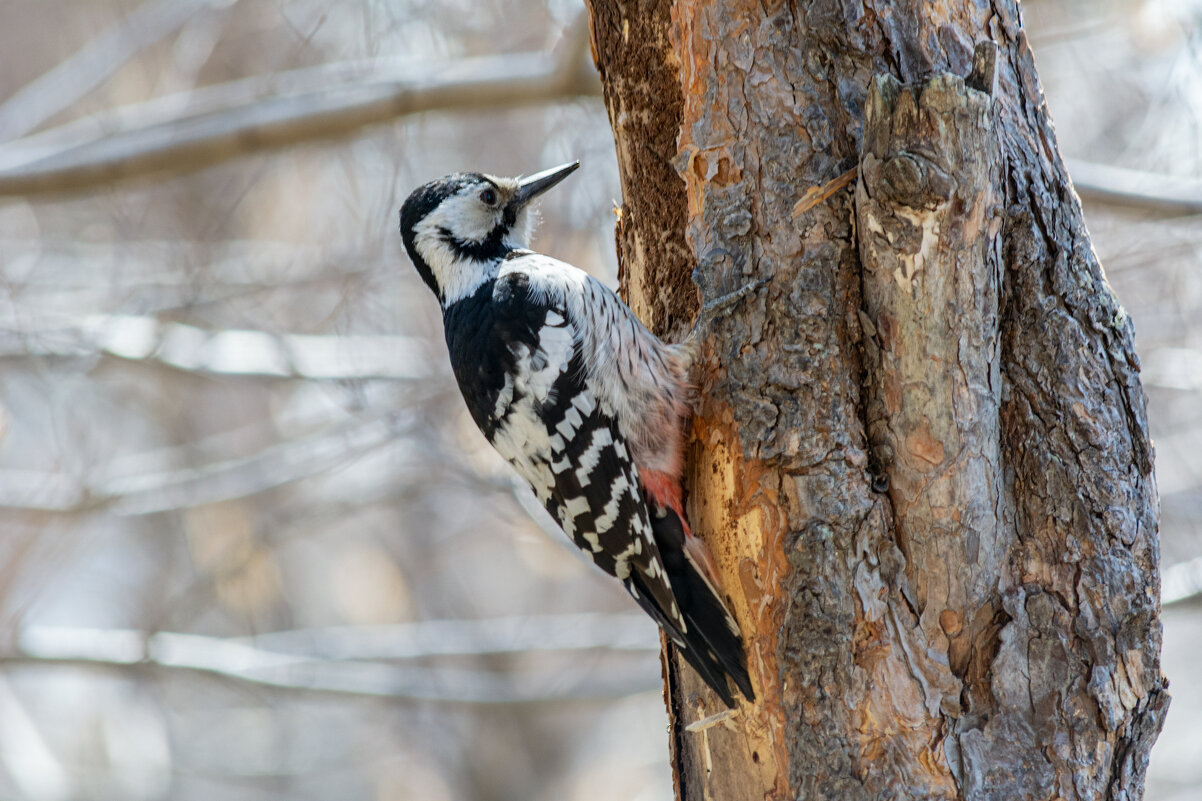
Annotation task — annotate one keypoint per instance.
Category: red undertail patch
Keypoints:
(663, 490)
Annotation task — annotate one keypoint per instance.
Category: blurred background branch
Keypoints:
(91, 65)
(206, 126)
(352, 660)
(1156, 192)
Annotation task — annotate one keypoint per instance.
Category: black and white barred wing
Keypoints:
(589, 418)
(562, 434)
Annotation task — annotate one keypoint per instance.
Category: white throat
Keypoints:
(457, 277)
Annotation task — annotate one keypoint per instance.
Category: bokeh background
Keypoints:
(251, 545)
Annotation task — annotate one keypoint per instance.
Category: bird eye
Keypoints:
(489, 197)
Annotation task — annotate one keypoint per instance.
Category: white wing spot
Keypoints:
(555, 351)
(504, 397)
(595, 544)
(574, 507)
(571, 421)
(731, 624)
(609, 514)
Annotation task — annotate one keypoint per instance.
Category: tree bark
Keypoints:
(920, 454)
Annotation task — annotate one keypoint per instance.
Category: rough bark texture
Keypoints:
(643, 95)
(921, 455)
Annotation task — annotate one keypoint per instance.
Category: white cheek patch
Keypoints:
(456, 278)
(471, 222)
(466, 216)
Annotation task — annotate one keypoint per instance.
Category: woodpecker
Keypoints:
(584, 402)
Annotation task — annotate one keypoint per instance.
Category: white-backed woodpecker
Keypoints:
(586, 404)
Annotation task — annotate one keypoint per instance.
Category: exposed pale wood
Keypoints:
(928, 214)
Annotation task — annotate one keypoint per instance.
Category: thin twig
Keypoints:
(1152, 191)
(710, 721)
(204, 127)
(92, 64)
(160, 490)
(817, 194)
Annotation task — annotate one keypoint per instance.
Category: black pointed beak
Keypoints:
(534, 185)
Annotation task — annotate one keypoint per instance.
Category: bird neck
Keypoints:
(462, 278)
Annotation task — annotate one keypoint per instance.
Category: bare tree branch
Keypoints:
(1181, 582)
(200, 128)
(351, 660)
(226, 352)
(159, 490)
(90, 66)
(486, 637)
(69, 264)
(1153, 191)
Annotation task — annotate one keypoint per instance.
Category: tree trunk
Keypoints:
(921, 456)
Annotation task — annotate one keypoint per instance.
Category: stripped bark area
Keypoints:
(928, 214)
(920, 454)
(642, 95)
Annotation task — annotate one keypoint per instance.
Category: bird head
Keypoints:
(458, 228)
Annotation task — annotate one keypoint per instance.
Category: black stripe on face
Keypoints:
(491, 248)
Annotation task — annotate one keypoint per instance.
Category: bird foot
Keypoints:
(723, 305)
(712, 310)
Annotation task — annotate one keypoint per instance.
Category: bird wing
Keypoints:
(561, 432)
(566, 390)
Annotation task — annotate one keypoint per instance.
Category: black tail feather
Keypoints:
(711, 644)
(705, 664)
